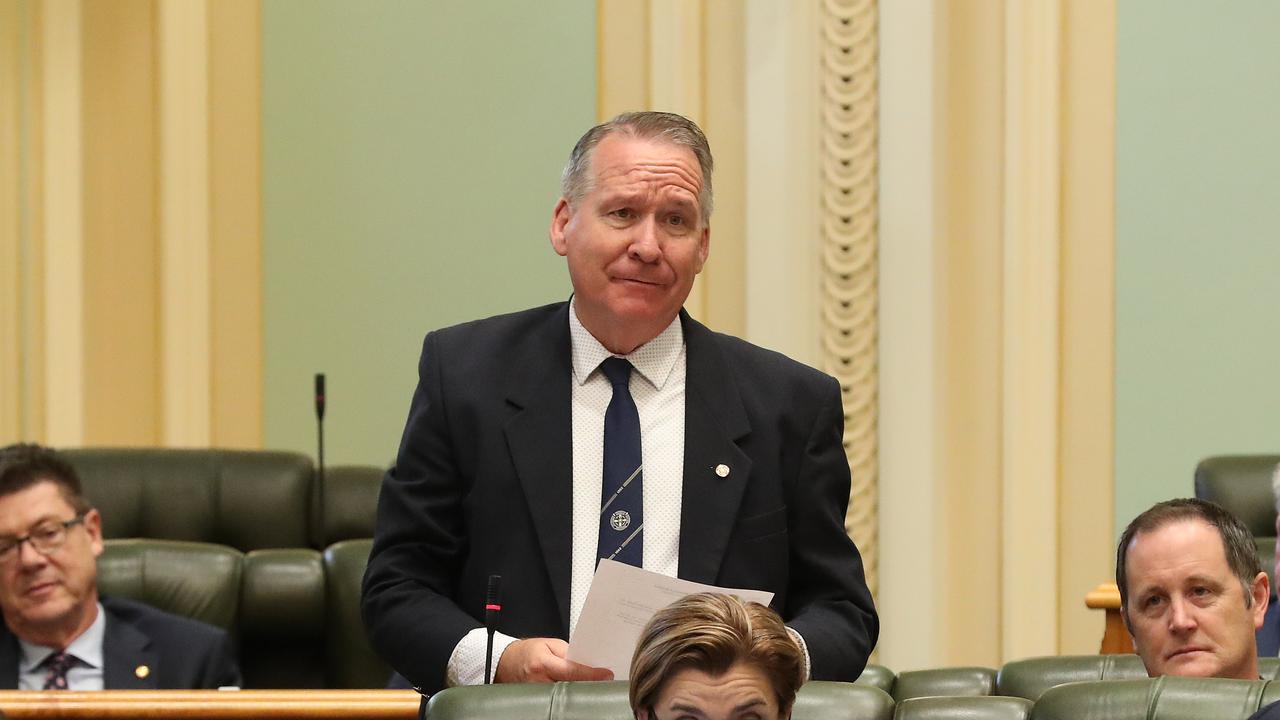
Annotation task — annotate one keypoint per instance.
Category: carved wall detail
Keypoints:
(849, 99)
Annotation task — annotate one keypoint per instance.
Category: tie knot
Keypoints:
(59, 660)
(618, 370)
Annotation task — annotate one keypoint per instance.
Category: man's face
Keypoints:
(1186, 609)
(635, 241)
(741, 693)
(42, 593)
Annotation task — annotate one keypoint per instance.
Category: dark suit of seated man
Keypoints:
(58, 634)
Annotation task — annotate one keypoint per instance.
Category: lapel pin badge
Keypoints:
(142, 671)
(722, 470)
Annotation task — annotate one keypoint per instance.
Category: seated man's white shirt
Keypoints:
(85, 674)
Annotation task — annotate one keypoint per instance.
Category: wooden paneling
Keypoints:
(121, 400)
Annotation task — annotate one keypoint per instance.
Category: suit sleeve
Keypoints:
(221, 670)
(828, 603)
(419, 542)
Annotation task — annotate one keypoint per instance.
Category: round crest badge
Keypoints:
(620, 520)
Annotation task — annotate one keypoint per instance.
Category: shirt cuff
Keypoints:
(804, 650)
(466, 663)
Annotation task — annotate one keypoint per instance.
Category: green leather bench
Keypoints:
(949, 682)
(294, 613)
(608, 701)
(240, 539)
(1166, 698)
(1144, 699)
(1032, 677)
(963, 708)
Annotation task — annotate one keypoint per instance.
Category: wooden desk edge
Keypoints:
(211, 704)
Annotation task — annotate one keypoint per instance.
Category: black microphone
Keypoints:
(492, 608)
(320, 455)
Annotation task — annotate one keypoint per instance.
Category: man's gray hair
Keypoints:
(675, 129)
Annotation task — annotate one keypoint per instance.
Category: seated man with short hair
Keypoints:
(715, 657)
(1192, 592)
(57, 633)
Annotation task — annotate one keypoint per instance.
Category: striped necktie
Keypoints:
(622, 506)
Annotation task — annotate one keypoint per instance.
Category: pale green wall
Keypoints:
(1197, 241)
(411, 157)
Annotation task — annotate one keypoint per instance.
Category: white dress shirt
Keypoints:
(657, 386)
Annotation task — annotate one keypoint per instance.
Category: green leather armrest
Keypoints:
(283, 593)
(1030, 678)
(350, 661)
(1165, 698)
(963, 708)
(608, 701)
(197, 580)
(877, 676)
(947, 682)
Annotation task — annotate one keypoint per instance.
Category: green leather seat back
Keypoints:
(350, 661)
(196, 580)
(1166, 698)
(608, 701)
(877, 676)
(283, 619)
(248, 499)
(963, 708)
(1269, 667)
(948, 682)
(1242, 484)
(350, 502)
(1032, 677)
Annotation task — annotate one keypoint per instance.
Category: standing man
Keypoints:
(58, 633)
(1192, 592)
(612, 425)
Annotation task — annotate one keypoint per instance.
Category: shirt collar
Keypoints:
(653, 360)
(87, 648)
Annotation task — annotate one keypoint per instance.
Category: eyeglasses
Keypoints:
(44, 538)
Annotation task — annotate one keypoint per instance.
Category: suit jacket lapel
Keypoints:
(125, 651)
(9, 654)
(539, 436)
(714, 421)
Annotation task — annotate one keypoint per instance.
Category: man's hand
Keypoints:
(543, 660)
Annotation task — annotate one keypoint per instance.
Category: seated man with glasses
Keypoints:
(58, 634)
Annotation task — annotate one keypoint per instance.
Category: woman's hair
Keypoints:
(713, 632)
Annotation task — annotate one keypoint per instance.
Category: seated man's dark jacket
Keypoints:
(180, 653)
(483, 485)
(1267, 712)
(1268, 635)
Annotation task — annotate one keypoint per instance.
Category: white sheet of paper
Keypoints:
(620, 601)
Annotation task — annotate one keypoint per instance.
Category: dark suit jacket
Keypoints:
(181, 653)
(1268, 636)
(483, 485)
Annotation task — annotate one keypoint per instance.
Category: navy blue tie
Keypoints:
(621, 501)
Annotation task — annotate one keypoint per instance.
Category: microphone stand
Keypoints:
(320, 402)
